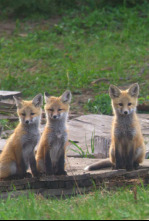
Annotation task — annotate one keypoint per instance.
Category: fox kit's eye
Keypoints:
(23, 115)
(51, 110)
(32, 114)
(60, 109)
(129, 104)
(120, 104)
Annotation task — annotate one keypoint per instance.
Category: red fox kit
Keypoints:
(51, 151)
(127, 149)
(18, 154)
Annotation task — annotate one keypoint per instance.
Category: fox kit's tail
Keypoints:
(101, 165)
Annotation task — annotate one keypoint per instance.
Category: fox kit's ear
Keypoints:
(46, 97)
(18, 101)
(114, 92)
(66, 97)
(134, 90)
(38, 100)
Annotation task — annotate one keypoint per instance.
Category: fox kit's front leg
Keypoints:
(130, 156)
(21, 168)
(119, 157)
(61, 164)
(48, 164)
(33, 165)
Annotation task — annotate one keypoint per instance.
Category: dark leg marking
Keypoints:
(48, 164)
(130, 160)
(136, 165)
(21, 168)
(119, 159)
(33, 165)
(61, 165)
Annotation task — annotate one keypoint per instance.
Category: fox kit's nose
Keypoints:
(27, 121)
(55, 116)
(126, 112)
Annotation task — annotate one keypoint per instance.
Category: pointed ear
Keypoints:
(38, 100)
(66, 97)
(114, 92)
(18, 101)
(46, 97)
(134, 90)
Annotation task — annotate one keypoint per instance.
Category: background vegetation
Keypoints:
(54, 7)
(56, 45)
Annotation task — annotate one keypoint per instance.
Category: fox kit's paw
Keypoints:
(37, 175)
(129, 169)
(62, 173)
(28, 175)
(114, 167)
(136, 166)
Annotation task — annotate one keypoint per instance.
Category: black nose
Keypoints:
(27, 121)
(55, 117)
(126, 112)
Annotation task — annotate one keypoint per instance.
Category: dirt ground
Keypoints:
(8, 27)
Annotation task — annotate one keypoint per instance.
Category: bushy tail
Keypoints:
(101, 165)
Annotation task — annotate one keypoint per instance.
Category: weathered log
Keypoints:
(9, 94)
(76, 181)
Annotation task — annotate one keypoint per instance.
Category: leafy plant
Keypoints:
(101, 105)
(81, 152)
(92, 143)
(143, 99)
(8, 125)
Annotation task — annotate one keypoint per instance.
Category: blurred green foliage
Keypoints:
(100, 105)
(51, 7)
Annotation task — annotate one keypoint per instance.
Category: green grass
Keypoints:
(100, 205)
(82, 47)
(101, 104)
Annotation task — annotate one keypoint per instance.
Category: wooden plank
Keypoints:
(46, 193)
(9, 94)
(7, 105)
(10, 118)
(87, 186)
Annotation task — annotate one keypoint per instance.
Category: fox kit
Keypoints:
(51, 151)
(18, 154)
(127, 149)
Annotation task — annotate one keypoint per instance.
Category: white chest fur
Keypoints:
(57, 143)
(29, 142)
